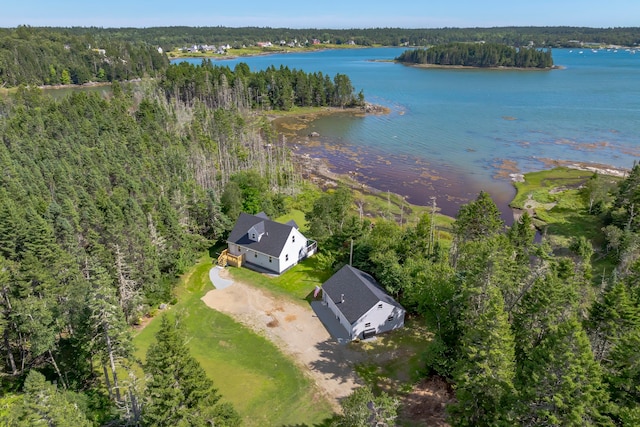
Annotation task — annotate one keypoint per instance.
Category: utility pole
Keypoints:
(432, 226)
(351, 253)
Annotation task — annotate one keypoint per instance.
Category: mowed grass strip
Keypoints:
(296, 283)
(265, 386)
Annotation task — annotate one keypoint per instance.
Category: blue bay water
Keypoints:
(454, 132)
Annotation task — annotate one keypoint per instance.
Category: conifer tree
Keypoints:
(485, 370)
(521, 235)
(611, 318)
(551, 299)
(44, 405)
(478, 219)
(111, 338)
(560, 383)
(363, 409)
(179, 393)
(622, 372)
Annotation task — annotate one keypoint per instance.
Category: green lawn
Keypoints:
(297, 282)
(396, 375)
(296, 215)
(265, 386)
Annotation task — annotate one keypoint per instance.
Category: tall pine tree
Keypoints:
(485, 371)
(179, 393)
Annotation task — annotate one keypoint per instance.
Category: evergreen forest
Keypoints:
(44, 56)
(106, 200)
(482, 55)
(179, 36)
(277, 89)
(104, 203)
(522, 330)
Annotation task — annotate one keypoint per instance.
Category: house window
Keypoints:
(389, 319)
(366, 325)
(286, 257)
(293, 239)
(379, 305)
(255, 254)
(253, 237)
(270, 259)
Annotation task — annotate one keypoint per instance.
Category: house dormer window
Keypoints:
(256, 232)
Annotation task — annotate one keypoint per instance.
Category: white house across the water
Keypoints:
(360, 304)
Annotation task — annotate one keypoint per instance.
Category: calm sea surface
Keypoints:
(453, 132)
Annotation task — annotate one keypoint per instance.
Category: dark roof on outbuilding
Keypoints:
(361, 292)
(273, 240)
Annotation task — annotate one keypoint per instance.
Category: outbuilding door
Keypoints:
(368, 333)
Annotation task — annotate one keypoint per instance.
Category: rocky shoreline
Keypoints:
(327, 165)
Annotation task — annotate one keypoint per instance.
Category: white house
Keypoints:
(361, 306)
(259, 243)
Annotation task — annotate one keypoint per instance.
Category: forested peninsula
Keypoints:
(480, 55)
(113, 208)
(45, 56)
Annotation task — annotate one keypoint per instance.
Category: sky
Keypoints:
(321, 13)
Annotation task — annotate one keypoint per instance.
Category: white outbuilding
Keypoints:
(360, 304)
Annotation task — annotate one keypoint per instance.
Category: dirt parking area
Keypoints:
(296, 330)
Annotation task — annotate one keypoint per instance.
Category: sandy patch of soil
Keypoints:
(530, 205)
(426, 403)
(296, 330)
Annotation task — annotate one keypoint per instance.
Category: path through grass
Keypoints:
(264, 385)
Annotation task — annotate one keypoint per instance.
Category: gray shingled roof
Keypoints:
(273, 240)
(361, 292)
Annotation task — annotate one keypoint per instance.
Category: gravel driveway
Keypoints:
(294, 328)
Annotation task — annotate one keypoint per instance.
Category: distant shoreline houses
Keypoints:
(223, 48)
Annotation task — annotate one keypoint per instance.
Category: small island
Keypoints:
(479, 55)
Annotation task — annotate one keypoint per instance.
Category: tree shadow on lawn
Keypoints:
(327, 422)
(335, 360)
(394, 353)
